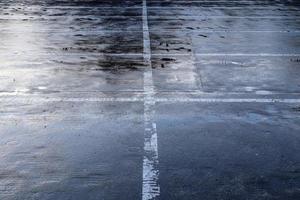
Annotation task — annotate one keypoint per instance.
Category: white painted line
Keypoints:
(151, 188)
(136, 94)
(92, 32)
(229, 7)
(156, 54)
(163, 17)
(150, 101)
(71, 17)
(160, 17)
(66, 99)
(201, 54)
(199, 1)
(229, 100)
(65, 54)
(100, 7)
(249, 54)
(230, 54)
(231, 31)
(197, 72)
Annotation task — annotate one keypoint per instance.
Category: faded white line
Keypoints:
(161, 54)
(91, 32)
(45, 17)
(229, 100)
(104, 7)
(249, 54)
(133, 94)
(164, 17)
(150, 101)
(160, 17)
(197, 72)
(231, 54)
(229, 31)
(65, 99)
(151, 189)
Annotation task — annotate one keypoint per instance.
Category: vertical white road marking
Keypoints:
(151, 189)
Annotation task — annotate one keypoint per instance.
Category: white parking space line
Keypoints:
(151, 188)
(156, 30)
(150, 102)
(229, 7)
(29, 100)
(160, 17)
(230, 100)
(165, 54)
(246, 31)
(183, 17)
(231, 54)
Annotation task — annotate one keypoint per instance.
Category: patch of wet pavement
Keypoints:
(250, 74)
(55, 151)
(228, 151)
(73, 96)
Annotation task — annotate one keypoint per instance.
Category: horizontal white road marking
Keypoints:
(228, 100)
(66, 99)
(92, 32)
(178, 17)
(173, 7)
(128, 17)
(159, 99)
(244, 31)
(134, 93)
(154, 54)
(231, 54)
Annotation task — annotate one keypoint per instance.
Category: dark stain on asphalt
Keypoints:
(168, 59)
(119, 65)
(205, 36)
(296, 109)
(295, 60)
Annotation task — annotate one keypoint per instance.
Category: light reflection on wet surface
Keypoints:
(94, 150)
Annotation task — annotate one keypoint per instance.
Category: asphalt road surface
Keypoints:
(149, 99)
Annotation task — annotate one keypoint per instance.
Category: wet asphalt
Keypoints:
(72, 99)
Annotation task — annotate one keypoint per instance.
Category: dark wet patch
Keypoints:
(170, 42)
(296, 109)
(181, 49)
(104, 44)
(64, 62)
(108, 63)
(168, 59)
(201, 35)
(115, 66)
(110, 42)
(163, 62)
(88, 44)
(297, 60)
